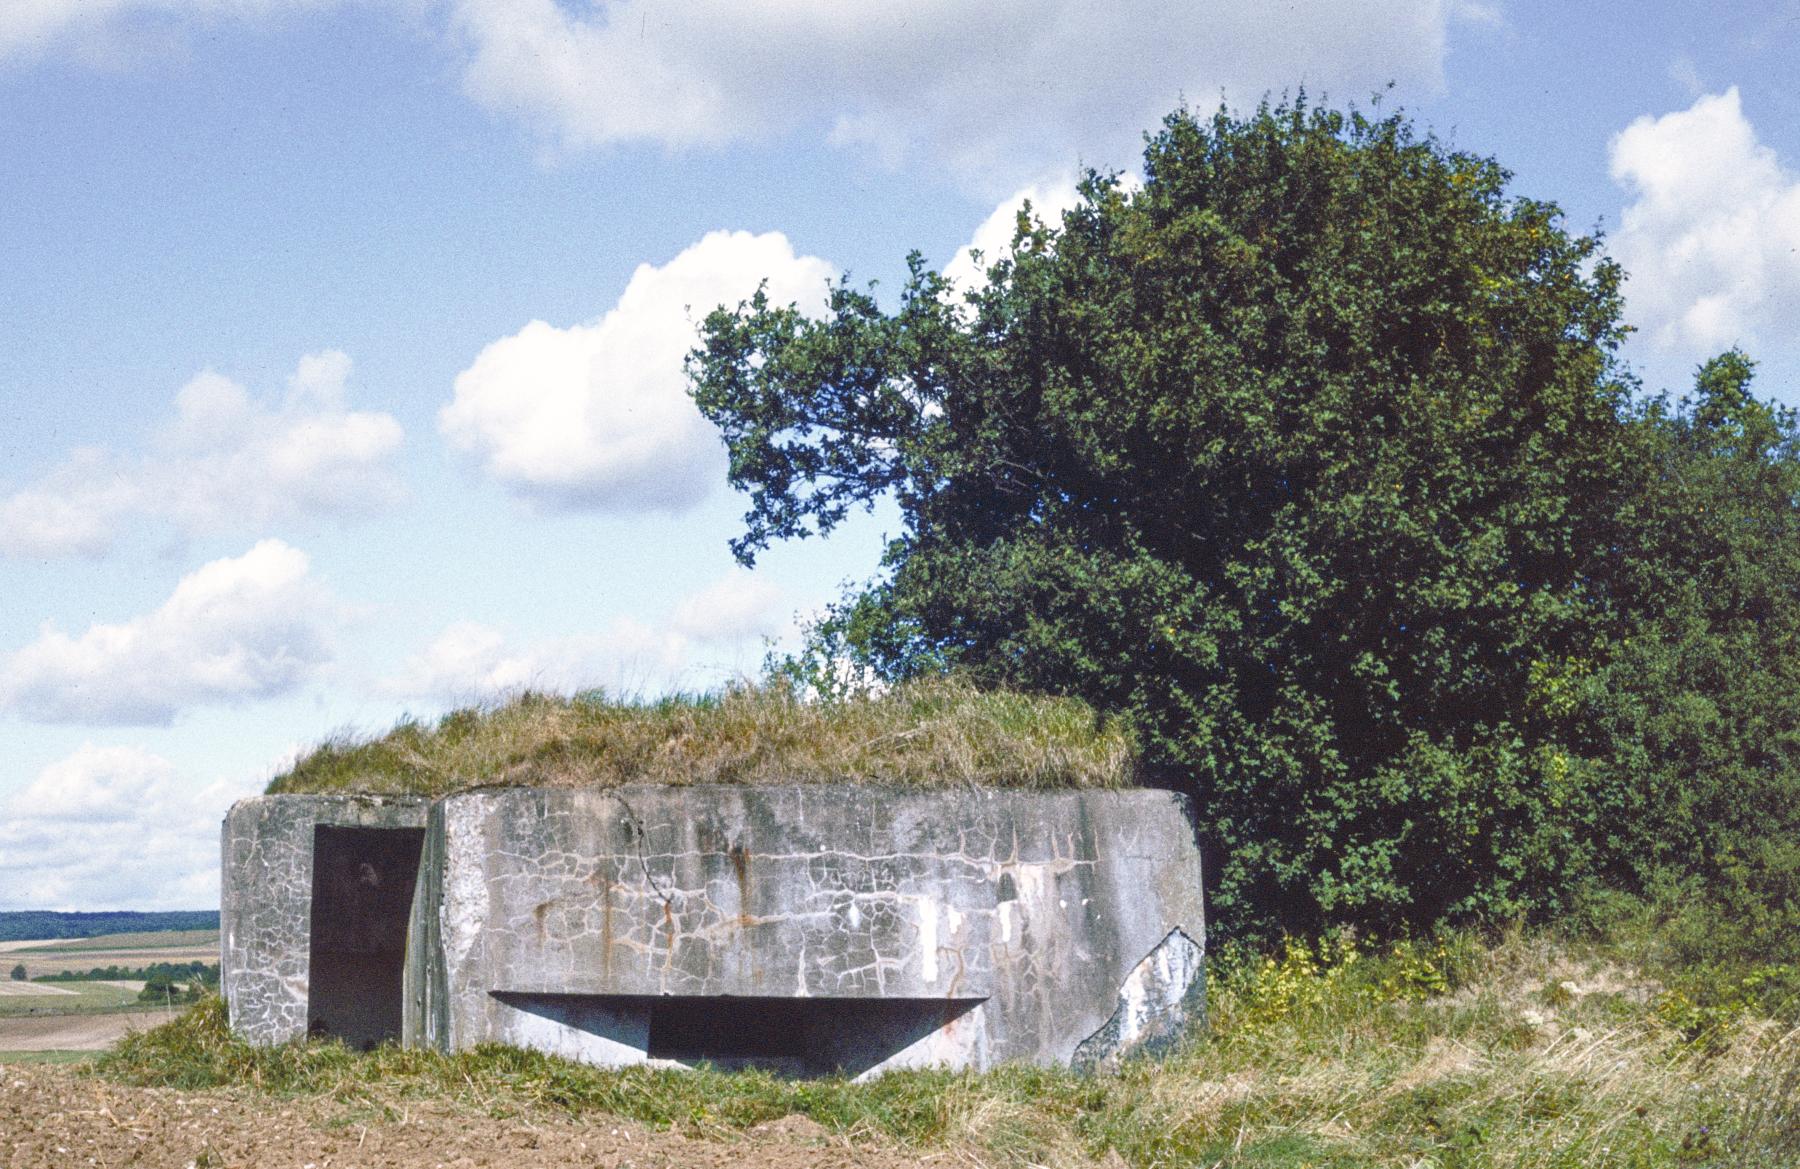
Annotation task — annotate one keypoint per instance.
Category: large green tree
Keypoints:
(1311, 456)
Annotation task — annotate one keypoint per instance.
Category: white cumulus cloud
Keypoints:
(597, 415)
(993, 238)
(967, 269)
(224, 462)
(254, 626)
(1711, 237)
(75, 509)
(995, 89)
(116, 828)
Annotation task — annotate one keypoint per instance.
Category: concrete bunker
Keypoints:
(810, 929)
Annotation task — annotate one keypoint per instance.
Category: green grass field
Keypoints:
(164, 940)
(56, 1057)
(84, 998)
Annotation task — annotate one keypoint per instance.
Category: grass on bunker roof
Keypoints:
(930, 733)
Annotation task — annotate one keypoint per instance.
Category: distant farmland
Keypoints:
(41, 956)
(142, 940)
(65, 1017)
(37, 924)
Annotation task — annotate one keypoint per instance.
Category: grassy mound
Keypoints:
(1529, 1053)
(931, 733)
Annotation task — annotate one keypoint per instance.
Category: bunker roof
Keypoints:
(922, 734)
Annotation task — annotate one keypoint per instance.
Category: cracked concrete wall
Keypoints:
(1028, 909)
(962, 928)
(265, 911)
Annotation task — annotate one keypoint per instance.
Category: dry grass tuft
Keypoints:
(1766, 1129)
(930, 733)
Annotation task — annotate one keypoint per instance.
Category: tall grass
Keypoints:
(1528, 1053)
(1765, 1129)
(931, 733)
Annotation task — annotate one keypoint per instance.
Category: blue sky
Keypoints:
(342, 339)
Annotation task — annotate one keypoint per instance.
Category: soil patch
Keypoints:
(95, 1032)
(55, 1116)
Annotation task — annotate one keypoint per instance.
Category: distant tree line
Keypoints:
(196, 971)
(26, 924)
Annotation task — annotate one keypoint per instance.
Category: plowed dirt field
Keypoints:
(73, 1032)
(53, 1116)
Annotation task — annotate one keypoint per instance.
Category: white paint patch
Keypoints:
(465, 906)
(928, 934)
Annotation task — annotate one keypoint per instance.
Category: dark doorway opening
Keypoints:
(362, 898)
(789, 1036)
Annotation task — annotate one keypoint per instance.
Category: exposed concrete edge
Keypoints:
(1162, 997)
(326, 804)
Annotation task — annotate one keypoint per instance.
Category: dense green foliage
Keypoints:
(1681, 724)
(162, 988)
(23, 925)
(1313, 459)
